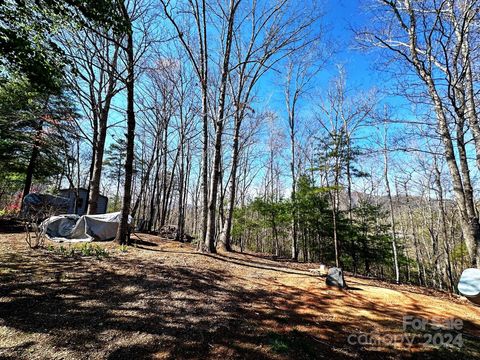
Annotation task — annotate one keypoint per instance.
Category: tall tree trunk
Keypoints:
(99, 142)
(443, 222)
(165, 183)
(97, 168)
(294, 187)
(392, 214)
(33, 160)
(204, 167)
(203, 42)
(209, 244)
(123, 231)
(227, 226)
(333, 201)
(469, 221)
(421, 279)
(153, 195)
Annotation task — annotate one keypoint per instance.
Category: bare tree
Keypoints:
(259, 45)
(393, 223)
(200, 63)
(94, 57)
(432, 39)
(301, 69)
(123, 231)
(340, 116)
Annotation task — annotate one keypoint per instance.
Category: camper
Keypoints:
(80, 208)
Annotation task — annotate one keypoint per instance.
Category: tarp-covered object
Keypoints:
(73, 228)
(59, 226)
(335, 278)
(469, 285)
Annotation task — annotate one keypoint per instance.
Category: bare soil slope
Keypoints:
(162, 299)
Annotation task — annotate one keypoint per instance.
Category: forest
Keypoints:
(232, 121)
(247, 150)
(160, 106)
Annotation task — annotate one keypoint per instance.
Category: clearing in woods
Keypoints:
(162, 299)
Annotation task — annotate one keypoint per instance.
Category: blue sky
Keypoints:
(361, 70)
(362, 74)
(339, 18)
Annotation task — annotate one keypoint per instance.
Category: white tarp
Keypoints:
(469, 284)
(74, 228)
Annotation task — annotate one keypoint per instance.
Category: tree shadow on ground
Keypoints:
(125, 308)
(11, 225)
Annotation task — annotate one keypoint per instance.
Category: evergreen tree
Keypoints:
(371, 237)
(27, 29)
(35, 131)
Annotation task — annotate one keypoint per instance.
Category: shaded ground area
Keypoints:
(162, 299)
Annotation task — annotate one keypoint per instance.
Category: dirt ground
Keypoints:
(162, 299)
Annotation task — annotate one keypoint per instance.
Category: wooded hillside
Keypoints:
(242, 125)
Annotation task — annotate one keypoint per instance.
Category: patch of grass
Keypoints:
(65, 251)
(279, 344)
(86, 249)
(89, 249)
(294, 343)
(123, 248)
